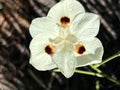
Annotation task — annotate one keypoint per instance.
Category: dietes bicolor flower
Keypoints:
(65, 38)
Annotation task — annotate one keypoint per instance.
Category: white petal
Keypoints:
(87, 27)
(43, 26)
(70, 8)
(42, 62)
(39, 59)
(65, 61)
(89, 59)
(94, 53)
(92, 44)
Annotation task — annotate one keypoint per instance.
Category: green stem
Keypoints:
(97, 85)
(112, 79)
(108, 59)
(105, 76)
(88, 73)
(84, 72)
(96, 69)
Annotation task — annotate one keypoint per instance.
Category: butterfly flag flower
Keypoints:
(65, 39)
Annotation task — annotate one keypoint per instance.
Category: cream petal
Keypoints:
(89, 59)
(69, 8)
(39, 59)
(92, 44)
(42, 62)
(65, 61)
(38, 44)
(87, 26)
(93, 54)
(44, 26)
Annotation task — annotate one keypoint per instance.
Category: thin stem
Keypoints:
(88, 73)
(105, 76)
(84, 72)
(112, 79)
(97, 85)
(108, 59)
(96, 69)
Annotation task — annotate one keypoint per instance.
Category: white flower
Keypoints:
(65, 39)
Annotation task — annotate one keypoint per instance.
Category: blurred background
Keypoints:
(15, 71)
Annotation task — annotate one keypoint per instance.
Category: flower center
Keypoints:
(80, 49)
(64, 21)
(49, 49)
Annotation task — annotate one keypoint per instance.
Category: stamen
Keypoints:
(80, 49)
(49, 49)
(64, 21)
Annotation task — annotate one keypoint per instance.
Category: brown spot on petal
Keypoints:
(80, 49)
(49, 49)
(64, 21)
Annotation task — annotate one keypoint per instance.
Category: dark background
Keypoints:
(15, 71)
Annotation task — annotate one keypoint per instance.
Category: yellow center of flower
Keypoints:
(49, 49)
(80, 49)
(64, 21)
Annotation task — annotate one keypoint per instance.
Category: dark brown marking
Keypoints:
(80, 49)
(64, 21)
(49, 49)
